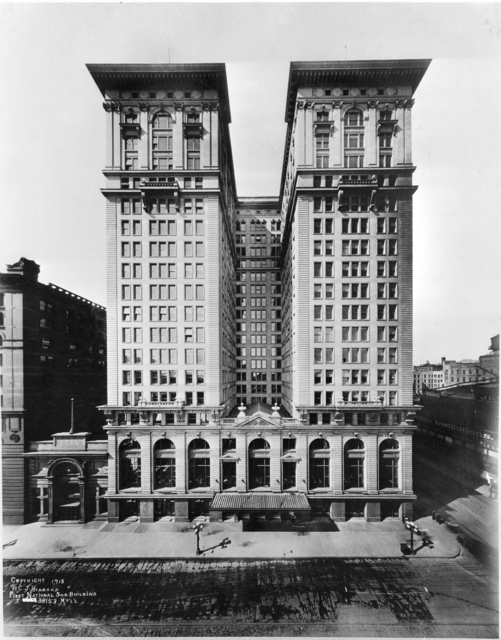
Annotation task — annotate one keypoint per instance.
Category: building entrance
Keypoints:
(164, 508)
(129, 508)
(66, 505)
(198, 508)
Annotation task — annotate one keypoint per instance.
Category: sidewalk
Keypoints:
(355, 539)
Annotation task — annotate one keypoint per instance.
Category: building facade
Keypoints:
(429, 375)
(215, 301)
(53, 350)
(258, 301)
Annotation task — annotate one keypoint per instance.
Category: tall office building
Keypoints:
(215, 301)
(53, 359)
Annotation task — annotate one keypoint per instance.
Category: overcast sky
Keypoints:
(53, 137)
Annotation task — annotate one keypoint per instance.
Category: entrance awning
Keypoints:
(260, 502)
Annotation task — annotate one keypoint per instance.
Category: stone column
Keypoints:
(144, 138)
(372, 462)
(302, 465)
(109, 135)
(337, 464)
(214, 137)
(117, 137)
(112, 462)
(275, 441)
(82, 492)
(336, 153)
(145, 442)
(370, 142)
(178, 137)
(373, 512)
(407, 133)
(399, 138)
(338, 511)
(241, 453)
(308, 139)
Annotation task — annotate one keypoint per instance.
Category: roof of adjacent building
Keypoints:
(124, 77)
(351, 73)
(259, 502)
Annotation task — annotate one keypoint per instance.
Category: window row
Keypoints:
(135, 398)
(259, 364)
(163, 376)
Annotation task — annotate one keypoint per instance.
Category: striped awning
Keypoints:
(259, 502)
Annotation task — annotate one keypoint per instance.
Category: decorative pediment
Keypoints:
(258, 420)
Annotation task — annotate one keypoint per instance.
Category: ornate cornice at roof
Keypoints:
(135, 77)
(352, 73)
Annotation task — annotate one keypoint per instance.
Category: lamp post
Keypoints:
(197, 528)
(413, 528)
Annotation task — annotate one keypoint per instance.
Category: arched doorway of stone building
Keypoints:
(66, 494)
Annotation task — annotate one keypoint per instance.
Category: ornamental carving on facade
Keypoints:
(107, 106)
(115, 106)
(178, 106)
(337, 104)
(143, 106)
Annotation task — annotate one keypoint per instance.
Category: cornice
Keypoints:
(124, 77)
(351, 74)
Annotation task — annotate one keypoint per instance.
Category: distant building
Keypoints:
(429, 375)
(458, 371)
(489, 363)
(53, 349)
(462, 414)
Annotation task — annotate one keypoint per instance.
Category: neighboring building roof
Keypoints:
(153, 76)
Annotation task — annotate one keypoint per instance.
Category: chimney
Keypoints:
(24, 267)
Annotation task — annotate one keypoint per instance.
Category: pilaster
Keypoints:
(371, 462)
(214, 137)
(144, 138)
(336, 153)
(337, 463)
(112, 462)
(213, 246)
(178, 138)
(371, 146)
(406, 111)
(275, 441)
(117, 138)
(241, 451)
(302, 465)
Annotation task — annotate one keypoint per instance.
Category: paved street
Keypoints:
(324, 597)
(441, 487)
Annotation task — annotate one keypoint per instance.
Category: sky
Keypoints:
(53, 137)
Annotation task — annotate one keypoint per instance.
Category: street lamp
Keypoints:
(197, 528)
(413, 528)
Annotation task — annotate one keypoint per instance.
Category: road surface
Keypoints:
(316, 597)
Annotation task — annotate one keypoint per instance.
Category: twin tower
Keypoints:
(259, 349)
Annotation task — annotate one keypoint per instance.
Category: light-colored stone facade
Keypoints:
(335, 254)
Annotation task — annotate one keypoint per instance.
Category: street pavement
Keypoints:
(364, 597)
(355, 538)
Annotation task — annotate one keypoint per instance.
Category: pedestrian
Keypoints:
(434, 515)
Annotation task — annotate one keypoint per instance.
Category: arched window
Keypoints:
(353, 139)
(354, 458)
(165, 464)
(320, 457)
(199, 464)
(259, 464)
(162, 142)
(389, 458)
(129, 464)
